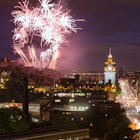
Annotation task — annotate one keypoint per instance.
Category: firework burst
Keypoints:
(50, 23)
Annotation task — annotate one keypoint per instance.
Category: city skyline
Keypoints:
(108, 24)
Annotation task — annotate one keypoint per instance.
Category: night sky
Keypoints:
(108, 24)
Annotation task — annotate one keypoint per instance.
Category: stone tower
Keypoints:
(110, 69)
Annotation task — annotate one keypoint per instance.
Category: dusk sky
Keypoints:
(108, 24)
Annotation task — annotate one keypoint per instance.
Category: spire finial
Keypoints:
(110, 51)
(110, 55)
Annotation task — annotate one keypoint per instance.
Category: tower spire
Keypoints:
(109, 50)
(110, 55)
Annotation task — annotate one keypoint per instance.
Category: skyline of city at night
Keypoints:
(108, 24)
(80, 69)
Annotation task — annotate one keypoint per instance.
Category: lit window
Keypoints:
(76, 138)
(86, 107)
(72, 119)
(71, 100)
(69, 138)
(81, 119)
(57, 100)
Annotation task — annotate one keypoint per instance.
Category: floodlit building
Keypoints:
(110, 69)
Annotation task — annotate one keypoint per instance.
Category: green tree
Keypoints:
(110, 124)
(14, 88)
(117, 128)
(60, 120)
(3, 95)
(12, 120)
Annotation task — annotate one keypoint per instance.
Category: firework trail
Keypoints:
(32, 54)
(50, 23)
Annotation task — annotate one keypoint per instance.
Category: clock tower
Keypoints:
(110, 69)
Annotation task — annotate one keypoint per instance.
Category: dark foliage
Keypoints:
(110, 124)
(12, 120)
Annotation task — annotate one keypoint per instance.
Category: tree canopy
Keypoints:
(110, 124)
(12, 120)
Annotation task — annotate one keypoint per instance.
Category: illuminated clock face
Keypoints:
(109, 68)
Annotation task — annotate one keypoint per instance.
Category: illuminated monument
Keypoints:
(110, 70)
